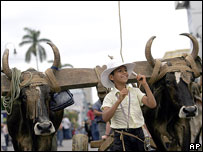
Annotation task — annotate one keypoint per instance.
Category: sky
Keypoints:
(86, 32)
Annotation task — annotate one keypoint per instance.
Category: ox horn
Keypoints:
(57, 59)
(5, 64)
(148, 53)
(195, 45)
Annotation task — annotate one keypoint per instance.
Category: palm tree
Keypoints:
(32, 37)
(62, 65)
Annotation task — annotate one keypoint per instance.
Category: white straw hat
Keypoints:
(111, 67)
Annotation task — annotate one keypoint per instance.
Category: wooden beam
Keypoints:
(72, 78)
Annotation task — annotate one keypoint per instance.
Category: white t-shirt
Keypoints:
(66, 123)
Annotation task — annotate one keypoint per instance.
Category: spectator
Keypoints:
(5, 132)
(66, 128)
(3, 139)
(60, 135)
(87, 129)
(93, 124)
(98, 112)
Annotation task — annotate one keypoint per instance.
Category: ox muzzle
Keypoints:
(188, 111)
(44, 128)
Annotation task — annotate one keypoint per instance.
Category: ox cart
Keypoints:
(168, 123)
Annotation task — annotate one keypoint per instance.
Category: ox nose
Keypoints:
(44, 128)
(188, 111)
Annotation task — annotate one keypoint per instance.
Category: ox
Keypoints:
(170, 83)
(31, 124)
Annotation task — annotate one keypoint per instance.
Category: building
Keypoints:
(194, 13)
(82, 98)
(175, 53)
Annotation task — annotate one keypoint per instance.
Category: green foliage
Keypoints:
(72, 116)
(62, 65)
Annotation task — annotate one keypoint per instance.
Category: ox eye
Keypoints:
(24, 97)
(192, 79)
(168, 82)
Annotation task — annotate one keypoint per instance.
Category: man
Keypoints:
(98, 112)
(66, 128)
(122, 106)
(93, 124)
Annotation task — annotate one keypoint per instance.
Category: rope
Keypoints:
(26, 83)
(15, 91)
(128, 134)
(16, 86)
(121, 138)
(120, 30)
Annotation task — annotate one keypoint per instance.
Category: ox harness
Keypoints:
(59, 101)
(188, 65)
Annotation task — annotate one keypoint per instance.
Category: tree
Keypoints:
(62, 65)
(32, 37)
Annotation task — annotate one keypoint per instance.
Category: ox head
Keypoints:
(35, 95)
(174, 80)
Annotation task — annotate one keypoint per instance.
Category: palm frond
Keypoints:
(25, 42)
(67, 65)
(29, 52)
(27, 37)
(44, 40)
(42, 53)
(28, 30)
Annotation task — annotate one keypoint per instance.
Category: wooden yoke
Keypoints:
(101, 90)
(73, 78)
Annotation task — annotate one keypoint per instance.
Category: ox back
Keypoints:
(32, 125)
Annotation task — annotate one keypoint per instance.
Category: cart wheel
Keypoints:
(80, 142)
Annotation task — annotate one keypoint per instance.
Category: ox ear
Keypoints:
(198, 62)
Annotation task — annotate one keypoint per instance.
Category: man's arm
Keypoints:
(108, 130)
(97, 113)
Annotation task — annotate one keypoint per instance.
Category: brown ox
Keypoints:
(170, 83)
(31, 124)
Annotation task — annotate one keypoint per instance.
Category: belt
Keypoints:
(124, 132)
(127, 129)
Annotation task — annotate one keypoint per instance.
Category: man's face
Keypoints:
(102, 95)
(120, 75)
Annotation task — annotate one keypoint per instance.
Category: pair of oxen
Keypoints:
(32, 125)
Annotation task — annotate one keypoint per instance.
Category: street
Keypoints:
(67, 146)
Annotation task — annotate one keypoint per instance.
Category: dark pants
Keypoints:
(60, 137)
(94, 130)
(131, 143)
